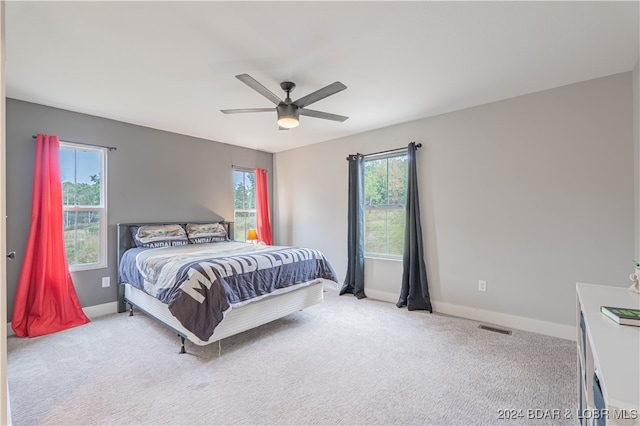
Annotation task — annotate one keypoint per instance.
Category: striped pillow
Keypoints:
(154, 236)
(200, 233)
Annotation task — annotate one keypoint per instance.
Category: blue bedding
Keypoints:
(200, 282)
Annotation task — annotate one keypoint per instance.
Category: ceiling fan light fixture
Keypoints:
(288, 116)
(288, 122)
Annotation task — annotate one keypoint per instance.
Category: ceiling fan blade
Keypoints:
(243, 110)
(320, 114)
(319, 94)
(253, 83)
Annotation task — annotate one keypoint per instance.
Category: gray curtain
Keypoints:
(414, 293)
(354, 281)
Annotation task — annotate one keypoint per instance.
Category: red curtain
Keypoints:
(46, 299)
(263, 222)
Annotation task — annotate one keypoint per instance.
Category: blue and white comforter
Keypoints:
(200, 282)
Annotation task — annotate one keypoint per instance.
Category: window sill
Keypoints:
(87, 267)
(392, 259)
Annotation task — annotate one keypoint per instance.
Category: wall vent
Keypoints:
(495, 329)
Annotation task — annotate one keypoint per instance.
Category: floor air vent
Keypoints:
(495, 329)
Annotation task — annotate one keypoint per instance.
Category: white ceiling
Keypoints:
(171, 65)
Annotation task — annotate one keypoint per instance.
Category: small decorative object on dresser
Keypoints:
(635, 278)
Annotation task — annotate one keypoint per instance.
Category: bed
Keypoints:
(193, 278)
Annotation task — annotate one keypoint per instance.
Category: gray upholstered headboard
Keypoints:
(125, 242)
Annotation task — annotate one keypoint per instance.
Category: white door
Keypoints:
(5, 416)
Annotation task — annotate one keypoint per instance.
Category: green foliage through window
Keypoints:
(385, 195)
(244, 202)
(84, 211)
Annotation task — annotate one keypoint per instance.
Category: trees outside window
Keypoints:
(83, 172)
(244, 202)
(385, 195)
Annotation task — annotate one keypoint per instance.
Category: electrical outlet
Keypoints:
(106, 281)
(482, 285)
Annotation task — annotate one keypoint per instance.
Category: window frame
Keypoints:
(403, 152)
(103, 253)
(236, 235)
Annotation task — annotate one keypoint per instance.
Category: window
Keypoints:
(385, 195)
(83, 172)
(244, 203)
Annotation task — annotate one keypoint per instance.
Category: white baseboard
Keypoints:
(497, 318)
(381, 295)
(101, 310)
(507, 320)
(90, 311)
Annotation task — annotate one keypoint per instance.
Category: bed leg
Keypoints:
(130, 310)
(182, 351)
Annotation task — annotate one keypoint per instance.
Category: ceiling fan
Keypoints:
(289, 112)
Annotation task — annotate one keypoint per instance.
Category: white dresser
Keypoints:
(608, 356)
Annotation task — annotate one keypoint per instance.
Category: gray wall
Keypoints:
(153, 176)
(532, 194)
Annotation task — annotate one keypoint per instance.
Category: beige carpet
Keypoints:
(345, 361)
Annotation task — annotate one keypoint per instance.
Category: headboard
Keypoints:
(125, 242)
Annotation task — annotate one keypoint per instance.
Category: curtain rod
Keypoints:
(418, 145)
(110, 148)
(242, 168)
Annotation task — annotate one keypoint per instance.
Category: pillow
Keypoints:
(200, 233)
(154, 236)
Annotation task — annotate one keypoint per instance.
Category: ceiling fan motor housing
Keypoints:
(288, 115)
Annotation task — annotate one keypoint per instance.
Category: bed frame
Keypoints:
(235, 320)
